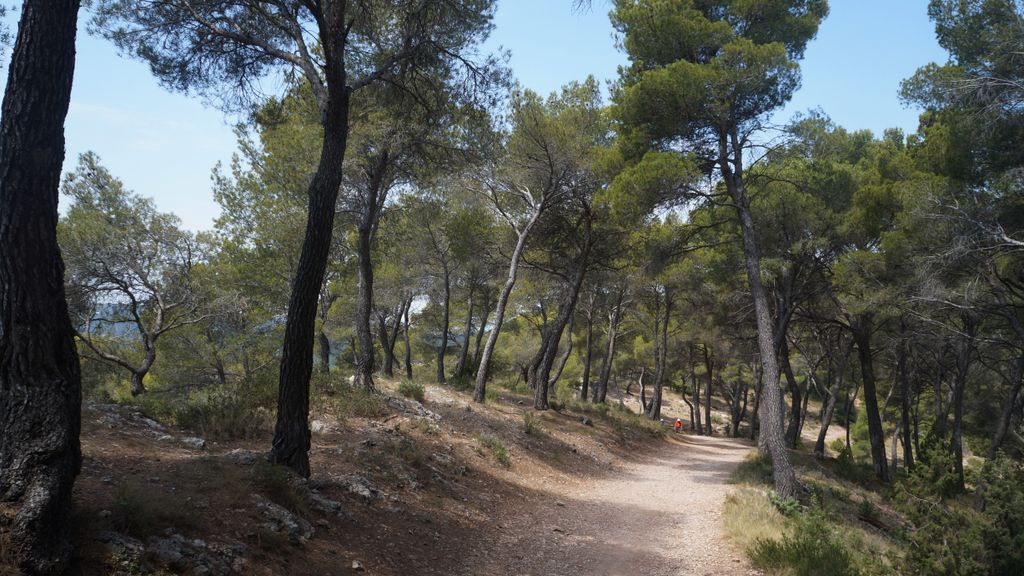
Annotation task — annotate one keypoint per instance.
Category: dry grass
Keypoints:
(748, 516)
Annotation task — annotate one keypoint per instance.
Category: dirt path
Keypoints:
(657, 516)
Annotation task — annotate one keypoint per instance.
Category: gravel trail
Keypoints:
(659, 515)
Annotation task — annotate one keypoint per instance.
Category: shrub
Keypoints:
(224, 412)
(788, 507)
(358, 403)
(496, 447)
(278, 484)
(406, 450)
(530, 425)
(811, 550)
(411, 389)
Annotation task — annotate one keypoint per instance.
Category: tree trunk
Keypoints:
(460, 367)
(364, 307)
(565, 312)
(442, 348)
(388, 362)
(709, 365)
(906, 393)
(291, 433)
(731, 167)
(588, 357)
(862, 330)
(1006, 417)
(963, 366)
(696, 388)
(792, 429)
(325, 353)
(408, 344)
(40, 378)
(830, 405)
(755, 422)
(654, 412)
(480, 389)
(483, 325)
(601, 390)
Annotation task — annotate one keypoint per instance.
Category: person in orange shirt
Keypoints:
(678, 425)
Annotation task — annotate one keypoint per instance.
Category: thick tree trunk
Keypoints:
(588, 358)
(460, 367)
(772, 432)
(40, 379)
(793, 428)
(480, 390)
(755, 422)
(138, 385)
(862, 329)
(291, 433)
(614, 317)
(442, 348)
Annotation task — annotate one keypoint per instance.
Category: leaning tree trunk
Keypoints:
(460, 367)
(40, 379)
(554, 334)
(480, 389)
(830, 404)
(601, 390)
(771, 406)
(862, 336)
(564, 358)
(291, 433)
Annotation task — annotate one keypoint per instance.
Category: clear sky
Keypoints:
(164, 145)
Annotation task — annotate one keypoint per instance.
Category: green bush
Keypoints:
(222, 412)
(496, 447)
(756, 470)
(811, 550)
(358, 403)
(411, 389)
(530, 425)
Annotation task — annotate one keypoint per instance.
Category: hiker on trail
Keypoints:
(678, 425)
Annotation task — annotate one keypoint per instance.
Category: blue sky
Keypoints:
(164, 145)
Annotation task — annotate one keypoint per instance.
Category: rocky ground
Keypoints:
(420, 490)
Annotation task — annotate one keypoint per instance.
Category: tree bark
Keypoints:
(442, 348)
(830, 404)
(564, 358)
(1006, 417)
(731, 167)
(654, 412)
(408, 344)
(588, 357)
(460, 367)
(709, 365)
(906, 393)
(793, 428)
(40, 378)
(862, 329)
(696, 388)
(963, 366)
(388, 362)
(325, 353)
(614, 317)
(291, 433)
(565, 312)
(480, 389)
(483, 325)
(364, 307)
